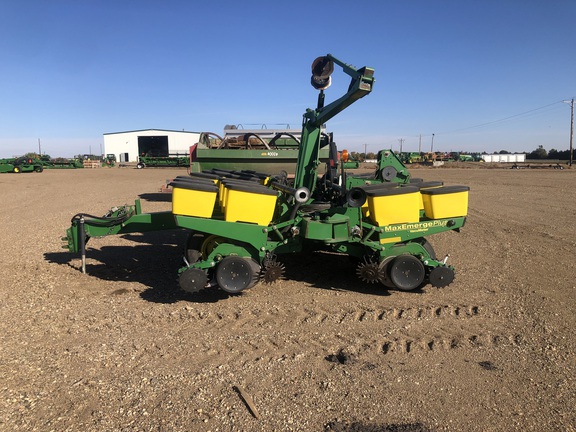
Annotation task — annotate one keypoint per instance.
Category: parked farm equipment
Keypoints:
(109, 161)
(418, 157)
(411, 157)
(20, 164)
(263, 150)
(61, 163)
(240, 223)
(163, 161)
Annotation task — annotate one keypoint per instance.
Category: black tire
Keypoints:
(235, 274)
(140, 165)
(407, 272)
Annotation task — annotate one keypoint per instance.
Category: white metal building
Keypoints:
(518, 157)
(127, 146)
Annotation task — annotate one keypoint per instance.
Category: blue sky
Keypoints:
(480, 75)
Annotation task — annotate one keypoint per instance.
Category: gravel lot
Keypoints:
(121, 348)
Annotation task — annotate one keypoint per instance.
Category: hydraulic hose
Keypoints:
(101, 221)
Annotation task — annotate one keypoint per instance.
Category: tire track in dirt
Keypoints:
(436, 343)
(392, 314)
(235, 319)
(413, 329)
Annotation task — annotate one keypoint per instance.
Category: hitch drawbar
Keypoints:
(123, 219)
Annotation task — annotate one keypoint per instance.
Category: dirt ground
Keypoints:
(122, 349)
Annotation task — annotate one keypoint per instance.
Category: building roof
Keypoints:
(147, 130)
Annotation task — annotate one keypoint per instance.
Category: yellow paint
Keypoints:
(391, 240)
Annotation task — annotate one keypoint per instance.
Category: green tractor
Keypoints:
(109, 161)
(21, 164)
(241, 223)
(410, 157)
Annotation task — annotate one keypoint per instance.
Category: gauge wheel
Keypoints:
(235, 274)
(407, 272)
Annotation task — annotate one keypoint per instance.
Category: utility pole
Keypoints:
(432, 145)
(401, 140)
(571, 130)
(420, 144)
(39, 149)
(365, 154)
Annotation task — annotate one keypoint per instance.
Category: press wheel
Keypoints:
(407, 272)
(441, 276)
(235, 274)
(193, 280)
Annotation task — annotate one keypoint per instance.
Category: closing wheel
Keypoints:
(272, 270)
(441, 276)
(407, 272)
(235, 274)
(193, 280)
(17, 169)
(368, 271)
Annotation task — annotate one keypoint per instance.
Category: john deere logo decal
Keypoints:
(416, 227)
